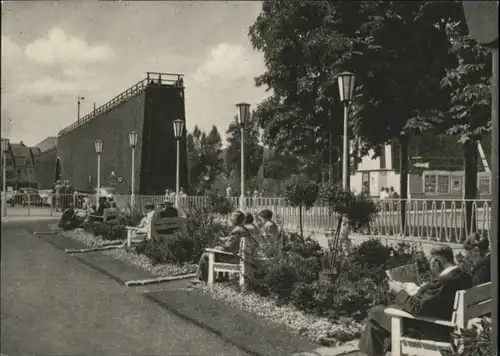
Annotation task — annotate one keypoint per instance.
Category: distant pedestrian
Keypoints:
(383, 194)
(393, 194)
(228, 191)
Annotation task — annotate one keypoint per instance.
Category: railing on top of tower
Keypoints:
(152, 78)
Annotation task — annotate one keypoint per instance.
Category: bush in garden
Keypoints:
(474, 341)
(219, 204)
(302, 194)
(360, 210)
(203, 230)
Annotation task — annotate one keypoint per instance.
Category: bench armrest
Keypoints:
(213, 250)
(396, 313)
(131, 228)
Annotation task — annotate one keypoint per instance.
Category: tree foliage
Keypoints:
(301, 194)
(204, 157)
(252, 150)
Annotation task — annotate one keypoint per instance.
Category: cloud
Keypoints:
(229, 62)
(10, 49)
(58, 47)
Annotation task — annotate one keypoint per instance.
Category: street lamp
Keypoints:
(346, 89)
(133, 137)
(79, 99)
(178, 130)
(98, 150)
(242, 119)
(5, 150)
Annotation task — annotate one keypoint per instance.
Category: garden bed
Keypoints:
(160, 270)
(317, 329)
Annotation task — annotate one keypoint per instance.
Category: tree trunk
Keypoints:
(470, 185)
(404, 143)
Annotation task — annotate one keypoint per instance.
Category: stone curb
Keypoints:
(144, 282)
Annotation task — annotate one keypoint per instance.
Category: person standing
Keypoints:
(228, 191)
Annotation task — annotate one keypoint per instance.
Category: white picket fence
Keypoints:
(433, 220)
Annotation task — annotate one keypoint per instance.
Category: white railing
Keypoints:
(435, 220)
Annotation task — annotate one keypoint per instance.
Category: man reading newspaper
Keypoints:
(434, 299)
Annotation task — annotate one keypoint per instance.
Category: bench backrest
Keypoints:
(471, 303)
(110, 214)
(166, 226)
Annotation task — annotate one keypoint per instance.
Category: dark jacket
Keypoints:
(481, 273)
(169, 212)
(436, 299)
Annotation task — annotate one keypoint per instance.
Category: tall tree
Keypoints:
(196, 170)
(212, 154)
(470, 115)
(302, 46)
(252, 149)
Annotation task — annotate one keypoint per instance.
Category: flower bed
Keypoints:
(163, 270)
(317, 329)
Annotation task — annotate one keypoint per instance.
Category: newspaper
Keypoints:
(405, 274)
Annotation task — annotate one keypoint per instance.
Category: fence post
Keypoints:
(29, 205)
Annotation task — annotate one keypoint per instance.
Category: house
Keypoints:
(436, 169)
(20, 170)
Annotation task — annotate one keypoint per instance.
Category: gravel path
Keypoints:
(316, 329)
(163, 270)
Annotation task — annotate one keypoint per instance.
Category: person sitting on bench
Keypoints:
(229, 243)
(168, 210)
(434, 299)
(68, 219)
(143, 228)
(481, 271)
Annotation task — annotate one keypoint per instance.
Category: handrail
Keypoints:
(152, 78)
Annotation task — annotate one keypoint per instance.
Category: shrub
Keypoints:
(360, 210)
(219, 204)
(203, 230)
(474, 341)
(301, 194)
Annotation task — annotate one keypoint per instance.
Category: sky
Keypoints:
(53, 52)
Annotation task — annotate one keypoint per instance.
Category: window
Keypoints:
(430, 184)
(437, 183)
(9, 161)
(484, 185)
(443, 183)
(10, 174)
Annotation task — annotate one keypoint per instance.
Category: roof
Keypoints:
(20, 150)
(47, 144)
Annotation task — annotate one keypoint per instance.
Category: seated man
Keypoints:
(481, 272)
(143, 228)
(68, 219)
(434, 299)
(230, 243)
(102, 204)
(168, 210)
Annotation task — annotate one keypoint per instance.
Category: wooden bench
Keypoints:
(469, 305)
(215, 267)
(157, 227)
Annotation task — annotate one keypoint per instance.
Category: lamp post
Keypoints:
(243, 117)
(133, 137)
(178, 130)
(78, 103)
(346, 89)
(5, 149)
(98, 150)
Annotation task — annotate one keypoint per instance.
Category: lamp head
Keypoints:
(133, 137)
(243, 114)
(5, 144)
(178, 128)
(98, 146)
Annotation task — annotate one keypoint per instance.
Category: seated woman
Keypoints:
(143, 228)
(481, 272)
(271, 239)
(68, 219)
(229, 243)
(255, 240)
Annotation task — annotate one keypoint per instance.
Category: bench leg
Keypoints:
(129, 237)
(242, 276)
(396, 333)
(211, 272)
